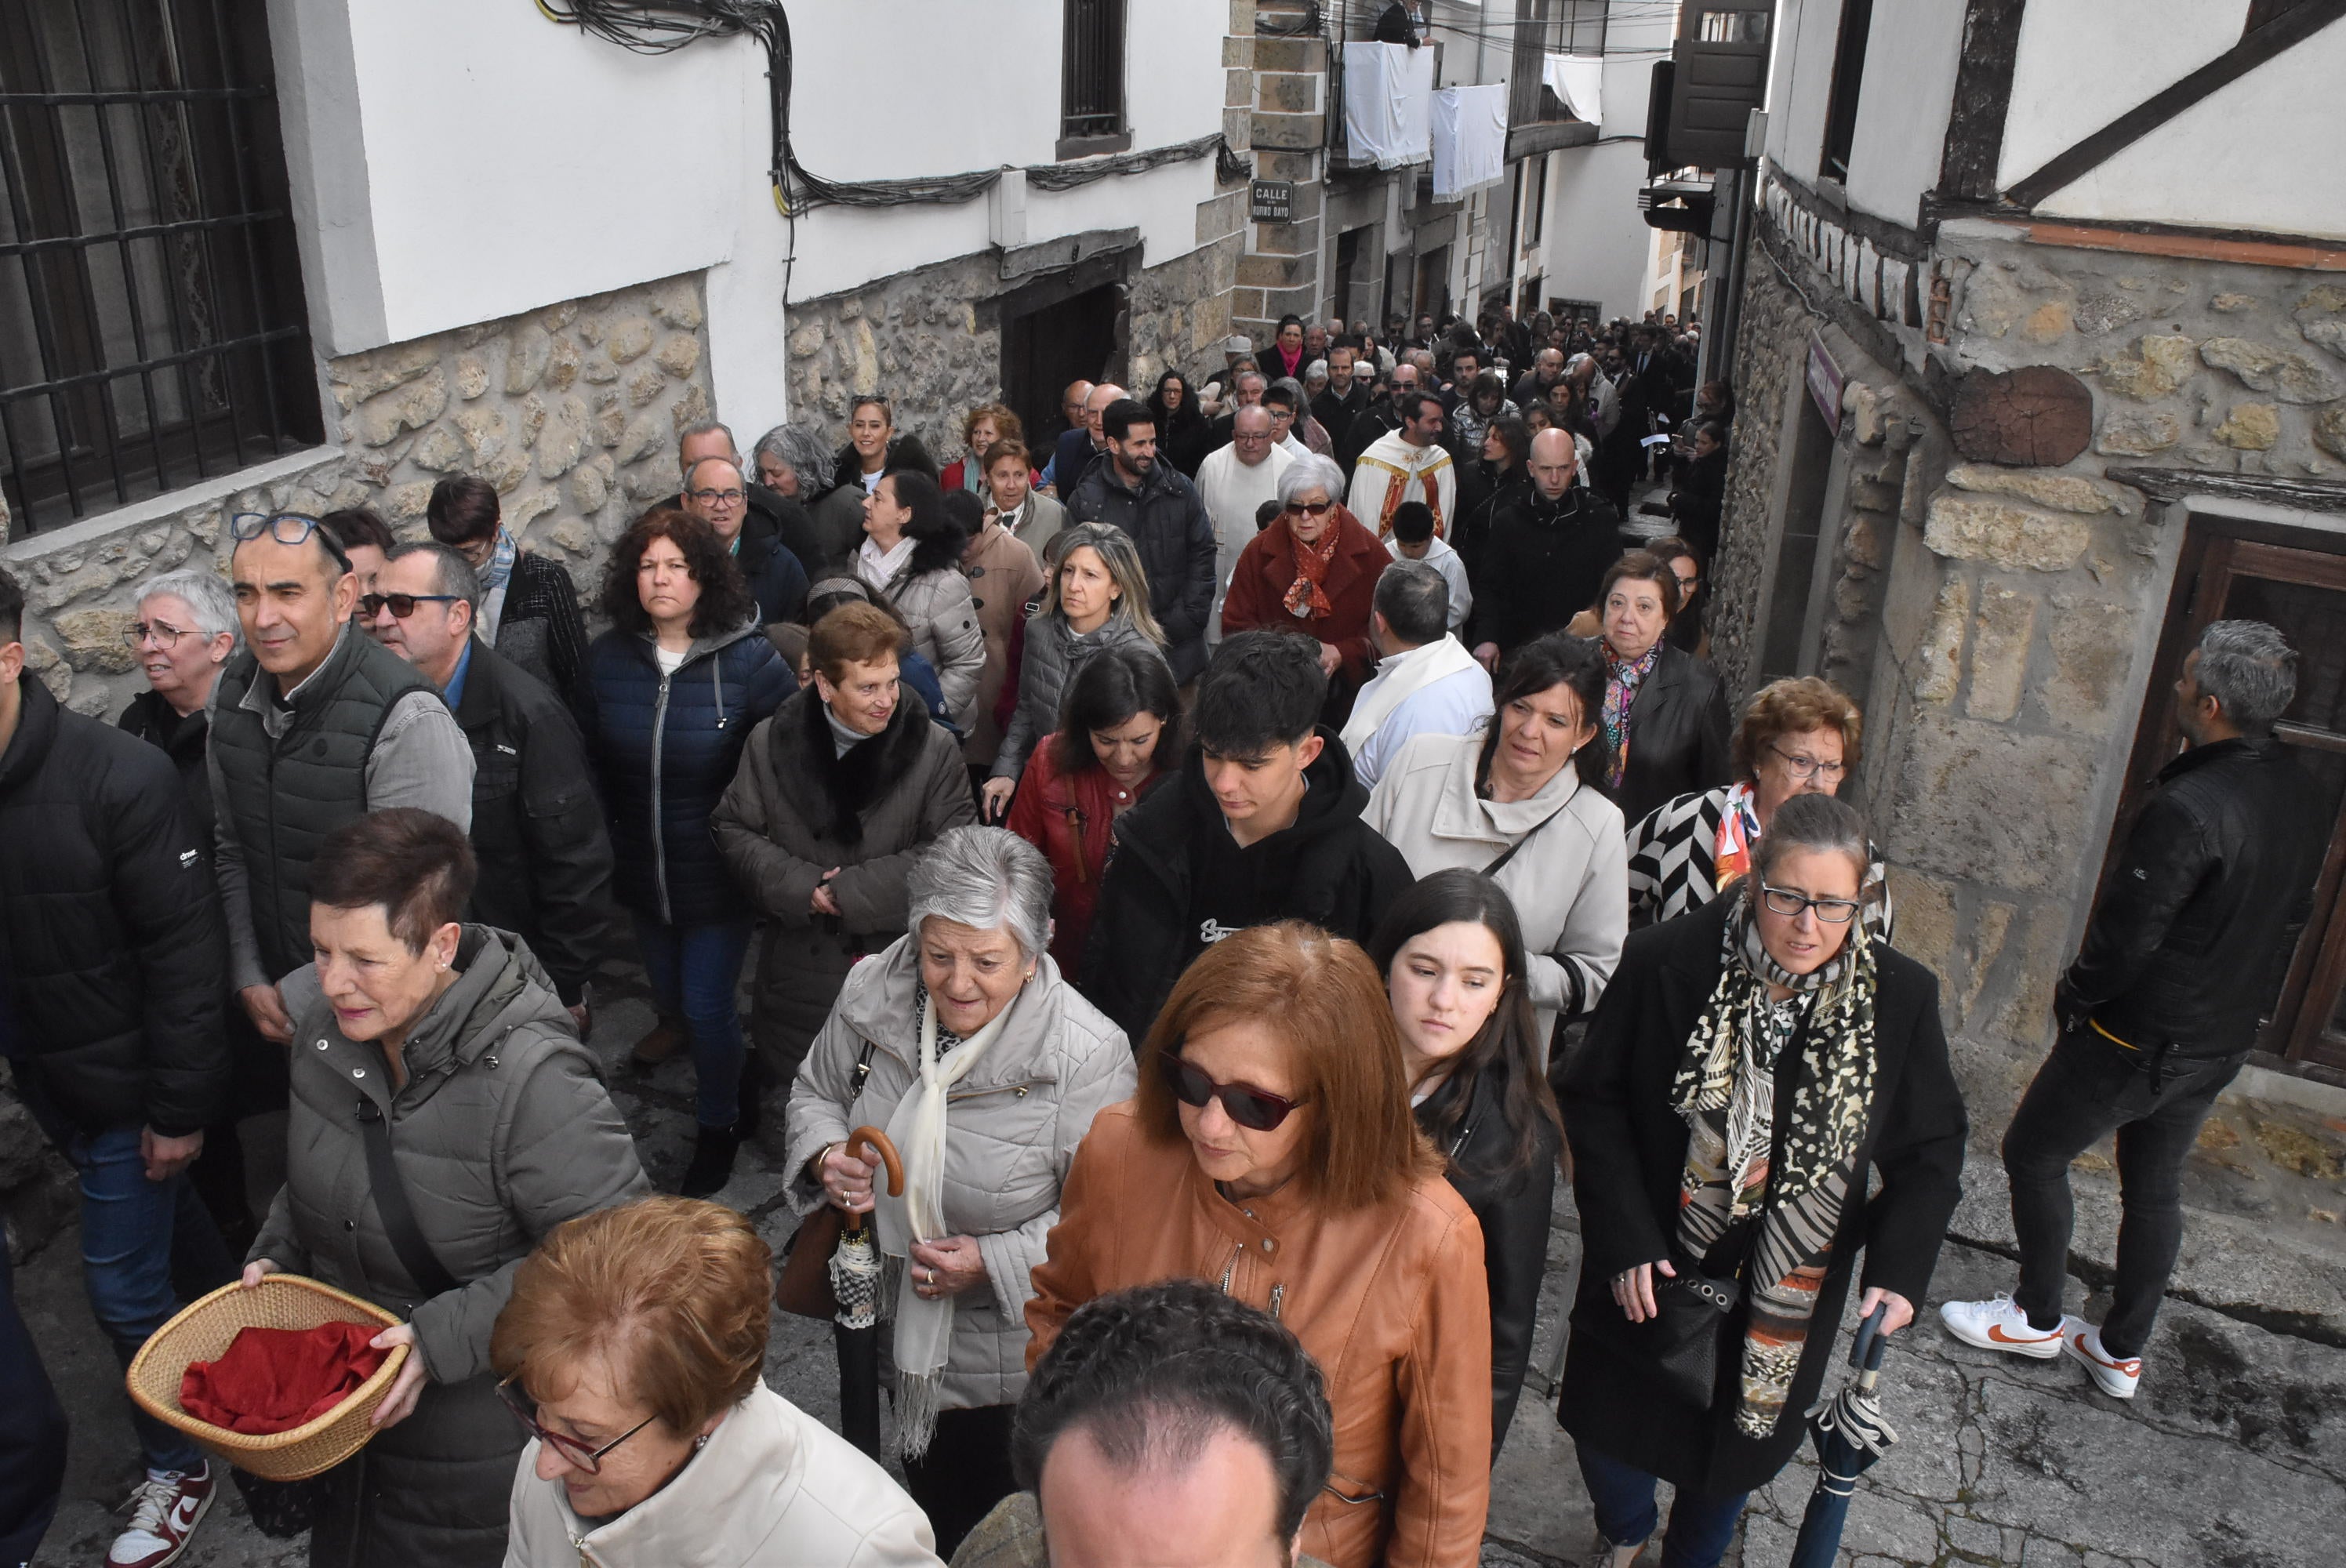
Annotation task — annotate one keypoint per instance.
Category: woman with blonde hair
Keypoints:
(1271, 1151)
(630, 1352)
(1798, 737)
(1096, 597)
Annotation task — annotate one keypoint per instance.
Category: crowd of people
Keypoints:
(1243, 852)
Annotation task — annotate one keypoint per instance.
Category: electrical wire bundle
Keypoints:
(664, 27)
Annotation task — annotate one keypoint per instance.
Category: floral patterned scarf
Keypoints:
(1622, 680)
(1306, 600)
(1725, 1090)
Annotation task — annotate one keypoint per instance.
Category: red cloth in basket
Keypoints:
(274, 1380)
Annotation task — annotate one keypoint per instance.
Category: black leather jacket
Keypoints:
(2201, 910)
(1513, 1205)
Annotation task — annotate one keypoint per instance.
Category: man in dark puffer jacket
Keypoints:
(111, 942)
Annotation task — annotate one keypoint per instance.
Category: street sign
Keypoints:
(1273, 201)
(1824, 379)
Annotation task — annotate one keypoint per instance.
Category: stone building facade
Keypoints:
(2000, 620)
(571, 412)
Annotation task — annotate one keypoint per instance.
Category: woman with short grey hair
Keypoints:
(985, 1068)
(1314, 569)
(181, 634)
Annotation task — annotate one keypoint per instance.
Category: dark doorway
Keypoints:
(1074, 339)
(1432, 296)
(1792, 585)
(2229, 573)
(1348, 269)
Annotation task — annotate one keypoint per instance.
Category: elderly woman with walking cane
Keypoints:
(985, 1068)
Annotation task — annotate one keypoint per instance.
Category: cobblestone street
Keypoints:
(2232, 1456)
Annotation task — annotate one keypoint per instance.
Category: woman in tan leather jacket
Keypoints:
(1271, 1151)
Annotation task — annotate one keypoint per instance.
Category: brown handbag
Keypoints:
(804, 1287)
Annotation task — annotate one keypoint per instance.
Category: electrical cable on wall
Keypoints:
(652, 28)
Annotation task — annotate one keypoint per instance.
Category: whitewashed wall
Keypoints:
(1597, 244)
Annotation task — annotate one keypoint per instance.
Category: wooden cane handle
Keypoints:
(878, 1143)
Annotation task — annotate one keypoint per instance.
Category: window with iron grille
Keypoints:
(1091, 80)
(152, 326)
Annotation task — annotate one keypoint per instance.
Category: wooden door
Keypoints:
(2303, 592)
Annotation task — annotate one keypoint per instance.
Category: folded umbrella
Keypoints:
(1851, 1434)
(856, 1274)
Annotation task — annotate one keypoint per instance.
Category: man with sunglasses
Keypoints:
(313, 723)
(537, 826)
(1262, 824)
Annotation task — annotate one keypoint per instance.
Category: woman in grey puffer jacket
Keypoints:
(912, 553)
(1098, 599)
(450, 1040)
(1029, 1063)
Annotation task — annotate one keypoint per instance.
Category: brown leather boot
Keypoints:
(665, 1041)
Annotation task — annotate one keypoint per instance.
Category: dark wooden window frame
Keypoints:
(2213, 544)
(1092, 69)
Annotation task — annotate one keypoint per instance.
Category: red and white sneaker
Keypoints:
(2114, 1376)
(165, 1510)
(1999, 1325)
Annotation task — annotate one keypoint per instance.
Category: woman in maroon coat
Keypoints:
(1119, 733)
(1313, 570)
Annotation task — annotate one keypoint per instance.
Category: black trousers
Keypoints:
(32, 1434)
(2089, 1087)
(964, 1473)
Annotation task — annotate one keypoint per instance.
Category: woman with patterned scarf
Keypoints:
(1665, 710)
(1314, 570)
(1748, 1064)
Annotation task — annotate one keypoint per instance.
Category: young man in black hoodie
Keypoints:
(1262, 823)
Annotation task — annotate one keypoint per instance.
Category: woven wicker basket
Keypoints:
(202, 1333)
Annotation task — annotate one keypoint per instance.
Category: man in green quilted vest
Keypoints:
(313, 723)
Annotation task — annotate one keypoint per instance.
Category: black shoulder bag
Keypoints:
(399, 1226)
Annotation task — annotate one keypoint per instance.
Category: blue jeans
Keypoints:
(1701, 1525)
(693, 970)
(127, 1225)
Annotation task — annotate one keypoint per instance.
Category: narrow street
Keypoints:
(2232, 1456)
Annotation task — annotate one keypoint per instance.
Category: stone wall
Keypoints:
(931, 339)
(1996, 621)
(571, 412)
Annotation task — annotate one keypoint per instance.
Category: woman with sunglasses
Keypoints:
(630, 1356)
(985, 1068)
(1271, 1151)
(1451, 953)
(1313, 571)
(1748, 1065)
(1798, 737)
(439, 1049)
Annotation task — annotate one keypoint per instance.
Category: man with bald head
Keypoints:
(1547, 553)
(1234, 481)
(1531, 386)
(1083, 444)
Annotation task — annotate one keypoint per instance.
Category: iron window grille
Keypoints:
(152, 323)
(1091, 80)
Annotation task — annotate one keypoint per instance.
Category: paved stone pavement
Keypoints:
(2233, 1456)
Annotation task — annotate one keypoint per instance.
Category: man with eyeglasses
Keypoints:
(529, 606)
(1234, 481)
(1263, 824)
(538, 828)
(767, 517)
(313, 723)
(1082, 446)
(716, 491)
(110, 959)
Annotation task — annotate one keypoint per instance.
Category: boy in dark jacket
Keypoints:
(1262, 824)
(115, 959)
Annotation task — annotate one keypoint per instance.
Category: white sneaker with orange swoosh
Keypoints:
(2116, 1376)
(1999, 1325)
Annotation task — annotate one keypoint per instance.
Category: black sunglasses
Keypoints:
(1249, 1108)
(1310, 509)
(401, 605)
(578, 1454)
